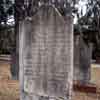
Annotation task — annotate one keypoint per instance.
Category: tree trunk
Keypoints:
(15, 51)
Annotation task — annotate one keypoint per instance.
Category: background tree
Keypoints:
(90, 22)
(6, 28)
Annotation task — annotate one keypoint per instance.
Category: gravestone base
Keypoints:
(34, 97)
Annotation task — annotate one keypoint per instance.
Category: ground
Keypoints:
(9, 89)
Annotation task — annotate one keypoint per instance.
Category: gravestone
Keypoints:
(46, 55)
(82, 60)
(76, 57)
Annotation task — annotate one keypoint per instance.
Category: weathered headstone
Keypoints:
(76, 57)
(46, 55)
(82, 60)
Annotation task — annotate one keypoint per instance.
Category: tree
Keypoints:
(90, 23)
(6, 11)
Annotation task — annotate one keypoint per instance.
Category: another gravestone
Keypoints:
(76, 57)
(46, 55)
(82, 60)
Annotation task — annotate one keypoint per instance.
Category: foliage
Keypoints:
(27, 8)
(91, 22)
(6, 9)
(6, 32)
